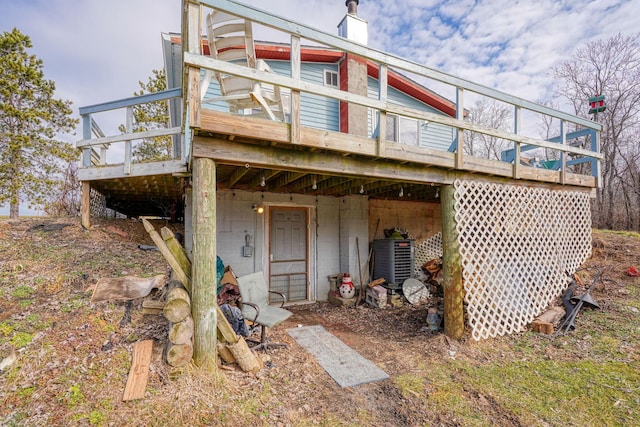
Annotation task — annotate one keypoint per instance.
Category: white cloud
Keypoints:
(98, 50)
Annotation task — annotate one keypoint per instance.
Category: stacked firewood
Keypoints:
(177, 309)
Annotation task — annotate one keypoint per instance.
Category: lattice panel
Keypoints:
(426, 251)
(516, 243)
(97, 203)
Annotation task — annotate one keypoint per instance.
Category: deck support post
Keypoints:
(85, 205)
(451, 267)
(203, 271)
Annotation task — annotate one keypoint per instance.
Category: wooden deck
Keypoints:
(264, 155)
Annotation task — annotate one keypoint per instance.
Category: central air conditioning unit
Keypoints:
(393, 260)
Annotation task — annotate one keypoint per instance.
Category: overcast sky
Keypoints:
(98, 50)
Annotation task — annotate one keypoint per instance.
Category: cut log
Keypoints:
(177, 250)
(545, 323)
(182, 332)
(246, 359)
(178, 305)
(152, 306)
(224, 353)
(179, 354)
(151, 311)
(153, 303)
(139, 372)
(181, 274)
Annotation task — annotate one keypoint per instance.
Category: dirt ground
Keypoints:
(73, 367)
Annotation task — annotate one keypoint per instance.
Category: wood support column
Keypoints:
(85, 205)
(451, 267)
(203, 274)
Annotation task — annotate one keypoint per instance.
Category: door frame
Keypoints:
(312, 273)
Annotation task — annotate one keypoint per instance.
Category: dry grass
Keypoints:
(72, 357)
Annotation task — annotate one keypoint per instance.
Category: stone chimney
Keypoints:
(353, 72)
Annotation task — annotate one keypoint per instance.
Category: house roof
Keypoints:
(282, 52)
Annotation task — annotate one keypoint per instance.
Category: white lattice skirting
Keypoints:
(516, 244)
(427, 250)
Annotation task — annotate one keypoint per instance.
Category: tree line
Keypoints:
(38, 168)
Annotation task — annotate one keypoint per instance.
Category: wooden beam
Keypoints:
(205, 315)
(85, 205)
(317, 162)
(257, 156)
(237, 175)
(451, 267)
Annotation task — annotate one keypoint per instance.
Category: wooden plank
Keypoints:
(139, 372)
(128, 137)
(243, 126)
(137, 169)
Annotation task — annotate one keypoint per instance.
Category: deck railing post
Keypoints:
(192, 35)
(460, 131)
(128, 143)
(86, 134)
(295, 94)
(517, 117)
(563, 154)
(383, 77)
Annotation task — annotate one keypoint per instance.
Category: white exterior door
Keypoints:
(288, 252)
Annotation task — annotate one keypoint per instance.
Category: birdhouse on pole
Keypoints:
(597, 104)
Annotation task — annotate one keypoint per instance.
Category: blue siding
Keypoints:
(432, 135)
(315, 111)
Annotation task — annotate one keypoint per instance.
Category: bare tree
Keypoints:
(612, 68)
(493, 114)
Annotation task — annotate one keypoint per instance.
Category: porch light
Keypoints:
(361, 189)
(257, 208)
(437, 192)
(401, 194)
(263, 182)
(314, 186)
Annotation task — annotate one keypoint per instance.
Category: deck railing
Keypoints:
(94, 138)
(570, 126)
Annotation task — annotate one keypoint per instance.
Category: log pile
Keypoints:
(177, 309)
